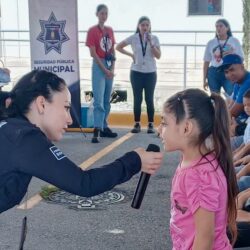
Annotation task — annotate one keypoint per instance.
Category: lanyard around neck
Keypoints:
(223, 46)
(143, 48)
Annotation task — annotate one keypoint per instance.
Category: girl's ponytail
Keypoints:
(222, 149)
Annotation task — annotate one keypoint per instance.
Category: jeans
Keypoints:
(238, 168)
(244, 183)
(146, 81)
(4, 77)
(102, 88)
(236, 141)
(216, 80)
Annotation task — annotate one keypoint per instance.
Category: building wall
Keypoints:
(164, 14)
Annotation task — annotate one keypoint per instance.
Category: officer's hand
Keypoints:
(151, 161)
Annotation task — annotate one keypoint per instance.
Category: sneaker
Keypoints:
(107, 132)
(150, 128)
(95, 135)
(137, 128)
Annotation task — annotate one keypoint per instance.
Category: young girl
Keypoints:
(146, 48)
(204, 186)
(100, 40)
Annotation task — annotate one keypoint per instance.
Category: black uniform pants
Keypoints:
(143, 81)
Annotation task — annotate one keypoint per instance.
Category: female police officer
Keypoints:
(37, 115)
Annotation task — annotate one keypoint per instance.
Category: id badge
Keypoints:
(109, 63)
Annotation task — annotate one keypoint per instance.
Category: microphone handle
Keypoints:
(140, 190)
(143, 181)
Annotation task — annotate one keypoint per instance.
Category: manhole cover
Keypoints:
(94, 202)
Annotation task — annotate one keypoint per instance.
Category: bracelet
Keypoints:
(152, 46)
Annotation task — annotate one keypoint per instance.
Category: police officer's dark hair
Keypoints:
(28, 88)
(100, 7)
(226, 23)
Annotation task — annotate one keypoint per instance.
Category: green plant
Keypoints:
(47, 190)
(246, 31)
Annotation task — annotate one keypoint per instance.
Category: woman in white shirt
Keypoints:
(223, 44)
(145, 48)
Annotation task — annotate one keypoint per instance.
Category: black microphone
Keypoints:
(143, 182)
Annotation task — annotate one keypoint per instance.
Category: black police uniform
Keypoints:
(25, 152)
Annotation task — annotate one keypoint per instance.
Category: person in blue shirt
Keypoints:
(235, 71)
(38, 114)
(4, 76)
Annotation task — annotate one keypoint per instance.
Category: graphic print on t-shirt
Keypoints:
(182, 209)
(106, 43)
(217, 51)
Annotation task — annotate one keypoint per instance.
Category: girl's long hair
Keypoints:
(211, 115)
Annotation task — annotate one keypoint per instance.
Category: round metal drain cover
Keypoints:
(95, 202)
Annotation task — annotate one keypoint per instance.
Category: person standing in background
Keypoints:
(223, 44)
(100, 40)
(143, 76)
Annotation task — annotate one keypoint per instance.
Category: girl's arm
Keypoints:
(156, 51)
(120, 47)
(242, 198)
(236, 109)
(113, 62)
(243, 172)
(241, 152)
(235, 152)
(242, 216)
(243, 161)
(233, 123)
(204, 229)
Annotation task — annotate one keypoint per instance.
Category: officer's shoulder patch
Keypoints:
(2, 123)
(57, 153)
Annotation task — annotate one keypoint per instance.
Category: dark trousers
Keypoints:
(243, 239)
(143, 81)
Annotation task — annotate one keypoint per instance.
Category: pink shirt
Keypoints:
(199, 185)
